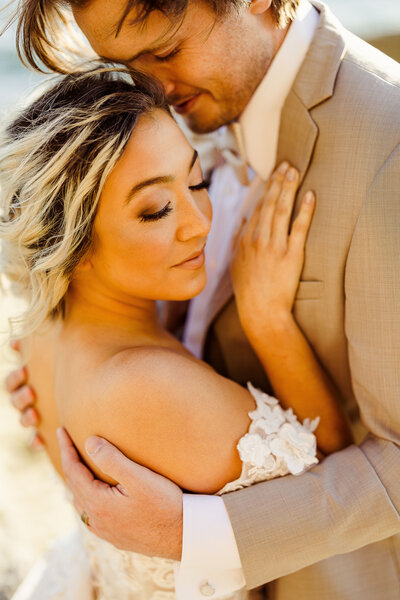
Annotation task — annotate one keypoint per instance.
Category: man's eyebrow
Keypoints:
(134, 57)
(160, 43)
(157, 180)
(130, 58)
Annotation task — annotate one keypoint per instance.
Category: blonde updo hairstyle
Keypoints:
(54, 160)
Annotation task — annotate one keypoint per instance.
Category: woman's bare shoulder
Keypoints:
(171, 413)
(152, 366)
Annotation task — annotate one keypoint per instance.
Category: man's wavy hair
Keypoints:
(54, 159)
(45, 33)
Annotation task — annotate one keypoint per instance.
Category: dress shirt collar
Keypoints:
(259, 121)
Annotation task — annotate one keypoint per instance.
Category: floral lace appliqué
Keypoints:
(276, 444)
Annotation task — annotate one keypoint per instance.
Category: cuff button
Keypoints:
(206, 589)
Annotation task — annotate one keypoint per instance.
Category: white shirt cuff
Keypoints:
(210, 565)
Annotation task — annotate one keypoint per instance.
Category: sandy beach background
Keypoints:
(33, 510)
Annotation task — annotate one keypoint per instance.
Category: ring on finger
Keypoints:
(85, 518)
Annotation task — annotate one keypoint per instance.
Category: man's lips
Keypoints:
(183, 106)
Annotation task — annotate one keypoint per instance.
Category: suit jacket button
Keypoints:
(206, 589)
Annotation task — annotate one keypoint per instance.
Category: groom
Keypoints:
(321, 98)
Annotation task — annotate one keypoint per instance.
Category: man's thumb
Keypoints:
(110, 460)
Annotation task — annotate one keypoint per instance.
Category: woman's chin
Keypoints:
(191, 290)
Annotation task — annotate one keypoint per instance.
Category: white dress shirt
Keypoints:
(210, 565)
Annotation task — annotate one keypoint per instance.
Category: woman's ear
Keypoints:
(257, 7)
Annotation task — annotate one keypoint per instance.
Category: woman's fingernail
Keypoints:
(309, 198)
(283, 168)
(93, 445)
(291, 175)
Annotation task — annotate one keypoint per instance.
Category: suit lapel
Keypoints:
(314, 84)
(297, 135)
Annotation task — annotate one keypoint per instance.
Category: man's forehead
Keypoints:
(101, 22)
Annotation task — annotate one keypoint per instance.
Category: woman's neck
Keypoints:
(127, 317)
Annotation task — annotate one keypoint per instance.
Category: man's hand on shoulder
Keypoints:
(143, 513)
(22, 397)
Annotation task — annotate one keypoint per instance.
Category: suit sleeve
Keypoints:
(353, 497)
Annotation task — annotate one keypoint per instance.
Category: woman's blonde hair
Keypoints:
(54, 160)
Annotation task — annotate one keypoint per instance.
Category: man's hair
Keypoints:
(44, 31)
(54, 160)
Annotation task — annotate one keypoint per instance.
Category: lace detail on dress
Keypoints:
(276, 444)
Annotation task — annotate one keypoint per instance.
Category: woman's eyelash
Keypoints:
(158, 215)
(204, 185)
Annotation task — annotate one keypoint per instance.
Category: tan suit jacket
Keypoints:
(331, 533)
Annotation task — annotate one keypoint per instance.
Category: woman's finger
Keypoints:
(239, 233)
(251, 225)
(301, 224)
(269, 203)
(284, 208)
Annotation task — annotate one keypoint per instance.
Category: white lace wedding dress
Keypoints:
(87, 568)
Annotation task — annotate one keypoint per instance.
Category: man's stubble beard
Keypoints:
(238, 96)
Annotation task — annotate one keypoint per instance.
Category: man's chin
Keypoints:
(197, 124)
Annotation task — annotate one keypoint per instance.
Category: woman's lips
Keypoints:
(193, 263)
(185, 106)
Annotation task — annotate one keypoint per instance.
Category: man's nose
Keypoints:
(164, 78)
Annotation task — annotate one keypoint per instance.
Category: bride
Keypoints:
(105, 212)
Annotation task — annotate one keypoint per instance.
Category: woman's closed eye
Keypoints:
(157, 215)
(167, 209)
(204, 185)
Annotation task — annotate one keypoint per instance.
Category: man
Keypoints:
(317, 96)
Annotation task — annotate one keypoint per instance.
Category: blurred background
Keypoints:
(33, 510)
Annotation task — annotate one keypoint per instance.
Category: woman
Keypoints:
(105, 212)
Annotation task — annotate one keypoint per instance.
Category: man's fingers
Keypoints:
(113, 462)
(37, 442)
(23, 398)
(76, 473)
(16, 379)
(15, 345)
(29, 418)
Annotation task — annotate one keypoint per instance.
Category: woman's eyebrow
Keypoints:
(157, 180)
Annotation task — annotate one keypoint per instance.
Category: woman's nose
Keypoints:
(195, 221)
